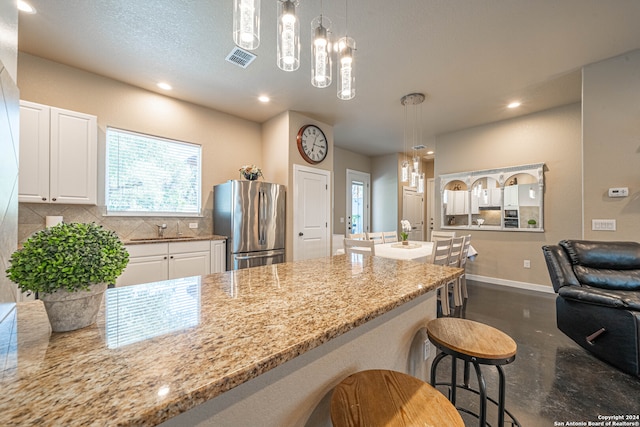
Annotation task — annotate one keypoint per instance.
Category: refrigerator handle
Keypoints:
(256, 256)
(261, 217)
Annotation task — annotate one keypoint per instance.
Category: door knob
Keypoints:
(301, 234)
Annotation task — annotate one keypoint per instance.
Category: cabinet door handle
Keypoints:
(171, 257)
(165, 258)
(54, 199)
(44, 199)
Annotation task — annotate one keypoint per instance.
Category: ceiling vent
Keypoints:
(419, 147)
(240, 57)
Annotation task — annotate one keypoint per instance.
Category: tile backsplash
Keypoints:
(32, 216)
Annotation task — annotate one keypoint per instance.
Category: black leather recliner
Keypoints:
(598, 303)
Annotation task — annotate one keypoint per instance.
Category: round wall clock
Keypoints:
(312, 144)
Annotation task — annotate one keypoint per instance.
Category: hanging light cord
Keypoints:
(346, 18)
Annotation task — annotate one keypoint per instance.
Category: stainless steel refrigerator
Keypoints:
(252, 215)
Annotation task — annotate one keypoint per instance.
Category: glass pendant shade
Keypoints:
(414, 179)
(288, 50)
(346, 77)
(405, 172)
(246, 23)
(320, 52)
(421, 183)
(416, 164)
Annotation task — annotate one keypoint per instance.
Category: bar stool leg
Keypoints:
(434, 367)
(482, 385)
(501, 396)
(454, 379)
(466, 374)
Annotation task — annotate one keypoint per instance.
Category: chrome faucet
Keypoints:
(161, 229)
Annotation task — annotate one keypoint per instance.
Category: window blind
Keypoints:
(152, 175)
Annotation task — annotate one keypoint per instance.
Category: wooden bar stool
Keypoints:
(478, 344)
(391, 399)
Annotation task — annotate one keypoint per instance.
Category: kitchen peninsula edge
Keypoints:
(250, 335)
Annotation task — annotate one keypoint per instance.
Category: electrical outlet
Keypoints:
(527, 263)
(193, 225)
(426, 349)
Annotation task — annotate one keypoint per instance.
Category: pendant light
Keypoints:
(405, 171)
(413, 100)
(246, 23)
(346, 74)
(346, 78)
(288, 50)
(320, 51)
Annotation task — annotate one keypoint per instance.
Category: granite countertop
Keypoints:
(160, 349)
(147, 240)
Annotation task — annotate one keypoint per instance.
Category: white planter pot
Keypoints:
(68, 311)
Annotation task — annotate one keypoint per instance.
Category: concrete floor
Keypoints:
(553, 381)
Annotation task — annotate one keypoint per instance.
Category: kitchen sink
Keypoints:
(160, 239)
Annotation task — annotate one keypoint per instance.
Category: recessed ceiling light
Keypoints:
(429, 152)
(165, 86)
(514, 104)
(25, 7)
(264, 98)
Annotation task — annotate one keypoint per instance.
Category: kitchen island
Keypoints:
(260, 346)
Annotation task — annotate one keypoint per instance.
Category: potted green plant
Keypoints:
(404, 234)
(69, 266)
(532, 223)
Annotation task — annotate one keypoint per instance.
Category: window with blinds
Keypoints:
(149, 175)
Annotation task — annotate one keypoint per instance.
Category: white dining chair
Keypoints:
(375, 237)
(442, 235)
(457, 246)
(440, 256)
(357, 236)
(390, 236)
(463, 264)
(355, 246)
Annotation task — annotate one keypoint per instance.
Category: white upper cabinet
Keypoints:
(511, 197)
(58, 155)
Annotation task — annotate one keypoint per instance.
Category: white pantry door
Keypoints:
(413, 210)
(311, 212)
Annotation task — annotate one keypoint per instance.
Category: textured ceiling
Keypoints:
(469, 57)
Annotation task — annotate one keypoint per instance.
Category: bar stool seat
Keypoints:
(392, 399)
(477, 344)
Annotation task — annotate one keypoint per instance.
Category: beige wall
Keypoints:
(386, 198)
(343, 160)
(228, 142)
(611, 134)
(281, 153)
(552, 137)
(9, 138)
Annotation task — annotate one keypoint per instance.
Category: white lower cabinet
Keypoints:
(153, 262)
(218, 256)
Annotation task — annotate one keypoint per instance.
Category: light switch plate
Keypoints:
(603, 224)
(619, 192)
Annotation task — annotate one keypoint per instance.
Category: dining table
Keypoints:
(413, 250)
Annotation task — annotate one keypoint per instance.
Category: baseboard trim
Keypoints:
(511, 283)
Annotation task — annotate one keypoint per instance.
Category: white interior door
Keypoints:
(413, 210)
(358, 205)
(311, 212)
